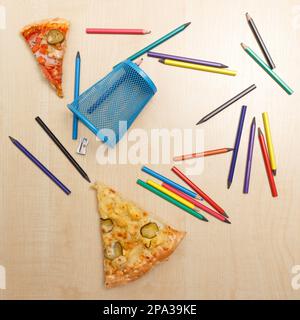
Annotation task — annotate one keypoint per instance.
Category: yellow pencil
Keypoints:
(170, 194)
(269, 142)
(199, 67)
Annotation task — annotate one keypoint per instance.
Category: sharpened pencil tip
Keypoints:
(12, 139)
(248, 16)
(230, 149)
(274, 172)
(77, 55)
(200, 121)
(161, 60)
(204, 219)
(225, 215)
(147, 31)
(253, 120)
(139, 62)
(228, 184)
(227, 221)
(87, 178)
(187, 24)
(259, 131)
(243, 46)
(224, 66)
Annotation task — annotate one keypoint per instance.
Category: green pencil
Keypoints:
(159, 41)
(171, 200)
(269, 71)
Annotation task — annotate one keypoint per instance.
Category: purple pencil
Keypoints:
(236, 146)
(185, 59)
(249, 156)
(40, 165)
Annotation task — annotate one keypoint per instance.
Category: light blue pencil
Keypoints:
(76, 94)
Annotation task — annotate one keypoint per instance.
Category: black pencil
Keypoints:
(62, 148)
(260, 41)
(227, 104)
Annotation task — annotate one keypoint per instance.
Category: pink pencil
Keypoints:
(196, 203)
(116, 31)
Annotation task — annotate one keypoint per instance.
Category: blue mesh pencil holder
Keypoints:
(116, 99)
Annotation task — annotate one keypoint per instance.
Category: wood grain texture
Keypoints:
(50, 243)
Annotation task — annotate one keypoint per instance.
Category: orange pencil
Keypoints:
(202, 154)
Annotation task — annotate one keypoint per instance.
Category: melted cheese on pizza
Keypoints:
(130, 237)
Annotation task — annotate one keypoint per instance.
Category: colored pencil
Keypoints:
(62, 148)
(268, 70)
(171, 194)
(183, 177)
(202, 154)
(227, 104)
(116, 31)
(180, 64)
(260, 41)
(236, 146)
(269, 142)
(249, 156)
(168, 181)
(76, 94)
(267, 163)
(185, 59)
(40, 165)
(158, 42)
(171, 200)
(196, 203)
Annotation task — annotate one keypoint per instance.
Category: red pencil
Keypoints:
(265, 155)
(198, 190)
(116, 31)
(196, 203)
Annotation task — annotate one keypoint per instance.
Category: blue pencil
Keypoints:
(170, 182)
(40, 165)
(76, 94)
(236, 146)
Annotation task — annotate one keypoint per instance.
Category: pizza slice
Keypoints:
(47, 41)
(133, 241)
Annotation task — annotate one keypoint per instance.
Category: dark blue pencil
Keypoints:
(40, 165)
(76, 94)
(236, 146)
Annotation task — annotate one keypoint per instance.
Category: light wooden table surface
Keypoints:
(50, 244)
